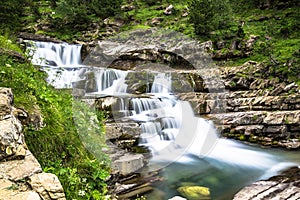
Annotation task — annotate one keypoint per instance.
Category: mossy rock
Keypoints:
(194, 192)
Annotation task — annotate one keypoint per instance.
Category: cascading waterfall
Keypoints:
(162, 83)
(110, 81)
(62, 62)
(54, 54)
(176, 138)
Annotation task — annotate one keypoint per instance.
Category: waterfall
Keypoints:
(110, 81)
(162, 83)
(175, 137)
(172, 132)
(54, 54)
(62, 63)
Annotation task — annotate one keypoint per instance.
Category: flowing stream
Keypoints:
(187, 148)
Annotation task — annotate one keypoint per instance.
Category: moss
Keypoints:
(242, 137)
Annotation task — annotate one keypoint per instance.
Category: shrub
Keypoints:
(209, 15)
(80, 13)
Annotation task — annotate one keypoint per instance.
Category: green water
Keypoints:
(224, 177)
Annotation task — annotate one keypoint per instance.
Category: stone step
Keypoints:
(276, 128)
(291, 117)
(205, 103)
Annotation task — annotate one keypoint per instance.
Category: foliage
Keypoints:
(57, 146)
(209, 15)
(10, 14)
(7, 43)
(80, 13)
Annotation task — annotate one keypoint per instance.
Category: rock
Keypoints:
(113, 131)
(194, 192)
(43, 38)
(277, 90)
(283, 186)
(250, 42)
(185, 13)
(157, 21)
(168, 10)
(129, 163)
(35, 118)
(282, 117)
(290, 86)
(276, 129)
(17, 164)
(177, 198)
(15, 170)
(5, 102)
(127, 8)
(7, 194)
(47, 185)
(208, 46)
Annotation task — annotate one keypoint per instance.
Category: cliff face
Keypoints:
(21, 176)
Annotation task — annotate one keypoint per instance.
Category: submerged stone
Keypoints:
(194, 192)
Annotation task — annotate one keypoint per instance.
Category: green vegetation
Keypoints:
(60, 146)
(57, 145)
(81, 13)
(208, 16)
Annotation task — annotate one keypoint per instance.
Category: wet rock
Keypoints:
(43, 38)
(194, 192)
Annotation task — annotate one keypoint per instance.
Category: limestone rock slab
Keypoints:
(47, 185)
(15, 170)
(129, 163)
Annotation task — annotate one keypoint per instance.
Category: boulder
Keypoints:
(194, 192)
(129, 163)
(47, 186)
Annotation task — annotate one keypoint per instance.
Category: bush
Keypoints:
(209, 15)
(80, 13)
(10, 14)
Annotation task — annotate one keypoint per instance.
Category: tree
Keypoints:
(80, 12)
(10, 15)
(209, 15)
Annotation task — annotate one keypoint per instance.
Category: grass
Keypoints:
(58, 145)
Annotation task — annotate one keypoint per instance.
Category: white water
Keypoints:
(110, 81)
(54, 54)
(169, 128)
(62, 63)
